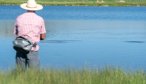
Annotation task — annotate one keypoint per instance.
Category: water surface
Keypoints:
(78, 37)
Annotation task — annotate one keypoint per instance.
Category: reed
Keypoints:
(73, 76)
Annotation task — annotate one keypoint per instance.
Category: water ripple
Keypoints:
(135, 41)
(58, 41)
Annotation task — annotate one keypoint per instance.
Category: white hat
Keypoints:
(31, 5)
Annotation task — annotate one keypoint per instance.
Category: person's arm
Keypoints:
(42, 36)
(15, 31)
(43, 31)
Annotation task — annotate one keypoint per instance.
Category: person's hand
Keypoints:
(42, 36)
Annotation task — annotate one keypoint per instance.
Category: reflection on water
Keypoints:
(72, 30)
(6, 28)
(78, 42)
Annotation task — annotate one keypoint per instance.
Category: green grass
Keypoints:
(79, 2)
(84, 76)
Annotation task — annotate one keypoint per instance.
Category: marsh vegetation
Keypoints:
(81, 2)
(73, 76)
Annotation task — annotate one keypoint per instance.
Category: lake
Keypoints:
(78, 37)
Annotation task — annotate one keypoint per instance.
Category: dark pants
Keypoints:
(30, 60)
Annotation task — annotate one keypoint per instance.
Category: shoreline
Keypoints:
(55, 3)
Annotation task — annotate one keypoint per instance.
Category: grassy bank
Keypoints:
(85, 76)
(80, 2)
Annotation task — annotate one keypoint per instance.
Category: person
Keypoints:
(31, 26)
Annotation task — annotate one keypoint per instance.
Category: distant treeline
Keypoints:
(81, 2)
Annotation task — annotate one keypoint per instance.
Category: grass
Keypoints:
(84, 76)
(79, 2)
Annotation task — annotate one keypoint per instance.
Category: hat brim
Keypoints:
(38, 7)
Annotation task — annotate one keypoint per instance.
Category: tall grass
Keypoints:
(78, 2)
(84, 76)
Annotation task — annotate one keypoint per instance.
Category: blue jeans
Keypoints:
(30, 60)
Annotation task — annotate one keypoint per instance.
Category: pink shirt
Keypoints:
(30, 25)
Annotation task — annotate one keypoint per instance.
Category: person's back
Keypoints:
(32, 27)
(30, 24)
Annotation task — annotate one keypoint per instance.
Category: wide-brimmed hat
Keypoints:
(31, 5)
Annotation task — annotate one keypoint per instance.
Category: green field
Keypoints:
(72, 76)
(80, 2)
